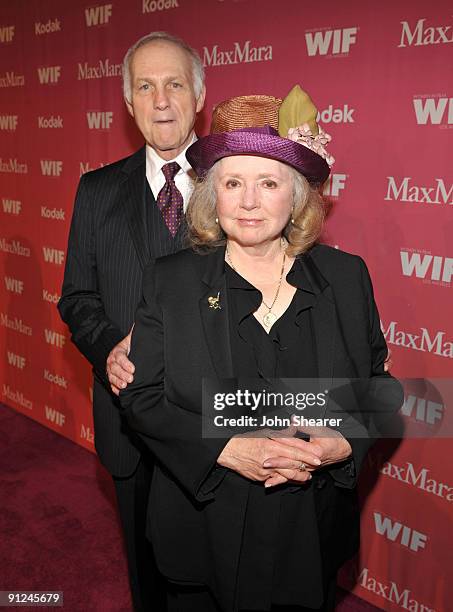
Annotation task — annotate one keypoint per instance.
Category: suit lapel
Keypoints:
(132, 196)
(214, 314)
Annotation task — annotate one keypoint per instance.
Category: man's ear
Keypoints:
(129, 107)
(201, 99)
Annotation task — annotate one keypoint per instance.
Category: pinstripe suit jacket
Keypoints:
(108, 248)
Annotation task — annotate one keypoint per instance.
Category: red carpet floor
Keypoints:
(58, 524)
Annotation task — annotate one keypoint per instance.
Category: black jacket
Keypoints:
(197, 509)
(109, 247)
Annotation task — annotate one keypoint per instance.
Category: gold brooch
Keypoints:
(214, 302)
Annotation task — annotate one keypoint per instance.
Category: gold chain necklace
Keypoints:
(269, 318)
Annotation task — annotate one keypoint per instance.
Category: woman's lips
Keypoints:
(249, 222)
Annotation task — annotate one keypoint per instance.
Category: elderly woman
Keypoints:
(253, 522)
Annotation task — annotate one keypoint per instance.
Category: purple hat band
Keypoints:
(263, 142)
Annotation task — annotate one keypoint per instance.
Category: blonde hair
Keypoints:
(302, 230)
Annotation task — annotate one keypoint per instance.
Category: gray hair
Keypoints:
(197, 65)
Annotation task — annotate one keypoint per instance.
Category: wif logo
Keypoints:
(50, 167)
(397, 532)
(14, 285)
(49, 74)
(441, 268)
(16, 360)
(54, 338)
(99, 120)
(54, 416)
(7, 34)
(334, 184)
(53, 256)
(332, 42)
(421, 410)
(98, 15)
(435, 111)
(420, 35)
(8, 122)
(12, 207)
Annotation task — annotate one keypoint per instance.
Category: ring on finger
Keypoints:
(302, 467)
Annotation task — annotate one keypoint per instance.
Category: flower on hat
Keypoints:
(304, 136)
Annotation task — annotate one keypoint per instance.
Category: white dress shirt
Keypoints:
(183, 179)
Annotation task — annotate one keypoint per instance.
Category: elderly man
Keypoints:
(126, 214)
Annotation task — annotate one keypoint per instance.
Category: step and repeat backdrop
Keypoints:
(381, 76)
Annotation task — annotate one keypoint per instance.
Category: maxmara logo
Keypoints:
(13, 166)
(11, 207)
(49, 74)
(102, 69)
(53, 25)
(86, 167)
(419, 478)
(391, 591)
(16, 396)
(17, 361)
(8, 122)
(240, 53)
(11, 79)
(395, 531)
(421, 34)
(14, 247)
(50, 167)
(151, 6)
(330, 42)
(6, 34)
(424, 341)
(15, 324)
(53, 256)
(436, 110)
(14, 285)
(404, 190)
(99, 120)
(98, 15)
(86, 433)
(426, 266)
(334, 184)
(50, 122)
(57, 214)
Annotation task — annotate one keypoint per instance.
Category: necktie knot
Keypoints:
(171, 170)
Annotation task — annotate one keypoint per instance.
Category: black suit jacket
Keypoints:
(197, 510)
(107, 251)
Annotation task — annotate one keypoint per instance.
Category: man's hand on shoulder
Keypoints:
(118, 368)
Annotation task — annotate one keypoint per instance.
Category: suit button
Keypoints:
(320, 482)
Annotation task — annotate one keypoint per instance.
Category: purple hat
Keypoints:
(284, 130)
(260, 141)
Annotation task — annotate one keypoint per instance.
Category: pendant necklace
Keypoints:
(269, 318)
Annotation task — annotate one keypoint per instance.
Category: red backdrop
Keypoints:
(381, 76)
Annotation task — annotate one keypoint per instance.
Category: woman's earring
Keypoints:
(217, 220)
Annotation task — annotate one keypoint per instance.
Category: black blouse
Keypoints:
(271, 568)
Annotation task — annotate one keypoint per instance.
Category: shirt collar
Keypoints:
(296, 277)
(155, 163)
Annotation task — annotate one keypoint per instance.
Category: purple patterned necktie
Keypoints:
(170, 200)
